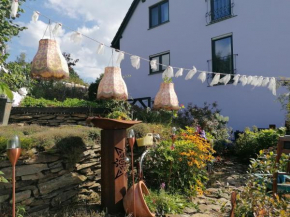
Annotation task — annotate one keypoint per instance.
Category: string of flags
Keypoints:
(224, 78)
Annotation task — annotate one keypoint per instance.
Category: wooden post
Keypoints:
(114, 177)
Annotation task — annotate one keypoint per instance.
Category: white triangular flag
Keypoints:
(272, 85)
(56, 29)
(35, 16)
(135, 61)
(168, 73)
(179, 73)
(215, 80)
(259, 81)
(225, 79)
(250, 79)
(101, 49)
(236, 79)
(244, 80)
(14, 8)
(254, 81)
(153, 64)
(265, 82)
(191, 73)
(121, 56)
(76, 37)
(202, 76)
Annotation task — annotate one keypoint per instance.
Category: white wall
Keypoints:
(261, 38)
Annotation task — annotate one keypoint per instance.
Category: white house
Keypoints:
(249, 37)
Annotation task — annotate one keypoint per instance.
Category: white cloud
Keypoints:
(107, 16)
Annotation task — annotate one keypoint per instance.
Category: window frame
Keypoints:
(213, 40)
(212, 8)
(160, 70)
(159, 14)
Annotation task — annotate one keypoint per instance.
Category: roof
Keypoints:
(116, 41)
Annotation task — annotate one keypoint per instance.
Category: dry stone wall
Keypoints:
(47, 182)
(53, 116)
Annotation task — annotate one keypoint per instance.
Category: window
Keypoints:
(159, 14)
(219, 10)
(222, 54)
(162, 58)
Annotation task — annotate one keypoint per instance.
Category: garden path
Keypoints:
(227, 176)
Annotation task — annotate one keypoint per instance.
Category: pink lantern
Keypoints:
(166, 97)
(49, 63)
(112, 85)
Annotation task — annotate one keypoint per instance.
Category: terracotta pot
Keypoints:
(166, 98)
(49, 63)
(142, 209)
(112, 85)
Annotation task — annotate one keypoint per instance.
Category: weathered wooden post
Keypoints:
(113, 174)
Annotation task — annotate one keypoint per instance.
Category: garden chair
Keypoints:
(282, 147)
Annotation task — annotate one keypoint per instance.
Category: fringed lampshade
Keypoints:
(112, 85)
(166, 98)
(49, 63)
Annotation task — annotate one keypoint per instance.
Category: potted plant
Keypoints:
(6, 97)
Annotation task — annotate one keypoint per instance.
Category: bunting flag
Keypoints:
(226, 79)
(236, 79)
(215, 80)
(56, 29)
(14, 8)
(76, 37)
(121, 57)
(101, 49)
(179, 73)
(202, 76)
(35, 16)
(256, 81)
(153, 64)
(191, 73)
(135, 61)
(168, 73)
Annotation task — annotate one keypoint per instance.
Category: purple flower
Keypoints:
(162, 186)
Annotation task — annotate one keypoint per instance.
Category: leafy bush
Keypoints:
(161, 202)
(140, 130)
(209, 119)
(255, 199)
(251, 142)
(181, 167)
(150, 116)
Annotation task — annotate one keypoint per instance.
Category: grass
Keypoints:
(63, 138)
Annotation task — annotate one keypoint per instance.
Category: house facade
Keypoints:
(230, 36)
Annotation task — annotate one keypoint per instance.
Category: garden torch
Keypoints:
(13, 152)
(131, 140)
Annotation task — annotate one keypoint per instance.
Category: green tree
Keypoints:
(73, 75)
(93, 88)
(8, 29)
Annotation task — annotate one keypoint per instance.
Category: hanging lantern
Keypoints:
(49, 63)
(112, 85)
(166, 97)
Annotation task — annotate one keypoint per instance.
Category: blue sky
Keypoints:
(99, 19)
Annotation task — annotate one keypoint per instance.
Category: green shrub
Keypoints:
(150, 116)
(256, 199)
(161, 202)
(250, 142)
(140, 130)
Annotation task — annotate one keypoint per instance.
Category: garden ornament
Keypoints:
(112, 85)
(131, 140)
(166, 97)
(49, 63)
(13, 152)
